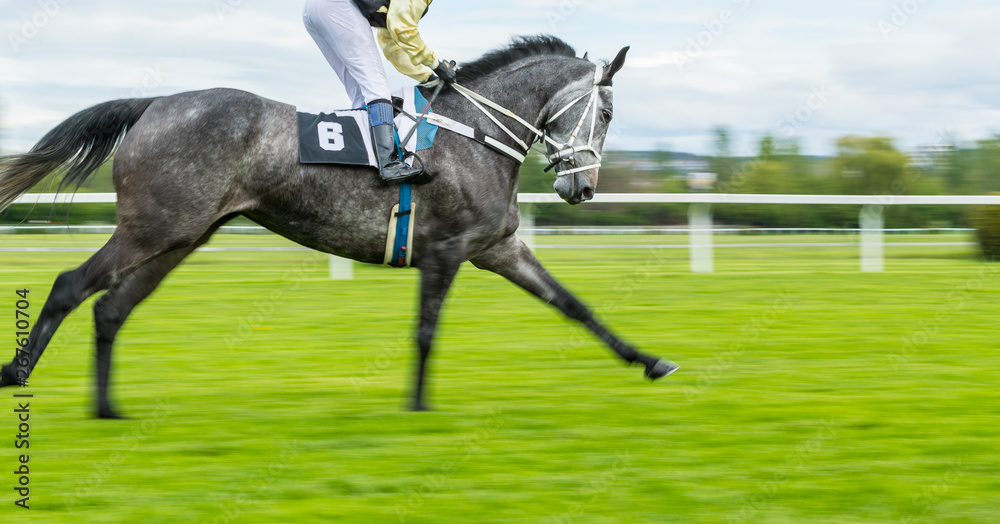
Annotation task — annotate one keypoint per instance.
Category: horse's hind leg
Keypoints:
(111, 310)
(117, 258)
(126, 250)
(515, 262)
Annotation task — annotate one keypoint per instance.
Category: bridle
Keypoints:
(565, 151)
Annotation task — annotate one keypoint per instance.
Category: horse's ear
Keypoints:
(614, 67)
(585, 55)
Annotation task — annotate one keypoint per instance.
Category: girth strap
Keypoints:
(399, 244)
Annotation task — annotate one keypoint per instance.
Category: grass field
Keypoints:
(262, 392)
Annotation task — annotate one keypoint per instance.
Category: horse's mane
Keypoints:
(521, 47)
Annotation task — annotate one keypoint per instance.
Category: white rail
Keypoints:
(730, 198)
(63, 198)
(700, 243)
(637, 198)
(541, 231)
(699, 215)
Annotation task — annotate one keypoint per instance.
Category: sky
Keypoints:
(922, 71)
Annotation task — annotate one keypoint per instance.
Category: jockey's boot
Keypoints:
(390, 167)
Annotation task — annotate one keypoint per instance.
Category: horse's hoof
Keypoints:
(7, 377)
(418, 407)
(110, 414)
(660, 369)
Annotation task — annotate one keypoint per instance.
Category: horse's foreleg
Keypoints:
(515, 262)
(436, 276)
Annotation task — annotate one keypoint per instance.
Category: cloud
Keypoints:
(751, 70)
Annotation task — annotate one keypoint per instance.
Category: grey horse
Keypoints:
(188, 163)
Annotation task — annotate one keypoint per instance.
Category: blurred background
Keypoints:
(854, 97)
(262, 390)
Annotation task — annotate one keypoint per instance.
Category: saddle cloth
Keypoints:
(344, 136)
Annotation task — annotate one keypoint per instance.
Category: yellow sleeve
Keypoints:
(401, 42)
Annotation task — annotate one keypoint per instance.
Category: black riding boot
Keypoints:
(390, 167)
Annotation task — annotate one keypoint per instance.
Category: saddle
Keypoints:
(344, 136)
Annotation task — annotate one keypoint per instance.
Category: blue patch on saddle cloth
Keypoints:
(344, 136)
(426, 132)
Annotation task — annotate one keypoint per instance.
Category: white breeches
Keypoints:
(347, 42)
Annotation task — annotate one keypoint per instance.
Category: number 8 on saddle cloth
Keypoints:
(344, 136)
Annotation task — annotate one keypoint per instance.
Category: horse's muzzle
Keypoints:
(575, 189)
(583, 195)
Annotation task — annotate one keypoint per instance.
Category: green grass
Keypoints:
(260, 391)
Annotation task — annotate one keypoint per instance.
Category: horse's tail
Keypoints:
(79, 145)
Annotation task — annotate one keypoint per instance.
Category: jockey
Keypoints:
(342, 30)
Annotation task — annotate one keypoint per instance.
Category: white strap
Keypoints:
(577, 170)
(465, 93)
(509, 151)
(586, 110)
(476, 98)
(466, 131)
(450, 125)
(567, 107)
(504, 111)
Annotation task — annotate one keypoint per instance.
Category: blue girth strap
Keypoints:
(400, 247)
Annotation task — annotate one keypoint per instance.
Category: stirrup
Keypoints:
(400, 172)
(391, 175)
(417, 160)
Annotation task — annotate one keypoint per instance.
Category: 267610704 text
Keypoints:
(22, 328)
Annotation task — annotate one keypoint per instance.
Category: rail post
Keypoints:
(526, 228)
(341, 268)
(700, 238)
(872, 223)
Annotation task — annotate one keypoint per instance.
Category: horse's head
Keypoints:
(575, 129)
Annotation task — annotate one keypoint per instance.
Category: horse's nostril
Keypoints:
(588, 193)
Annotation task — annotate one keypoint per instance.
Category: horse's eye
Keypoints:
(607, 115)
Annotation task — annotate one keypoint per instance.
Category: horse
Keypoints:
(186, 164)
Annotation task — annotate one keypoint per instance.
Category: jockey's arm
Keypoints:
(401, 42)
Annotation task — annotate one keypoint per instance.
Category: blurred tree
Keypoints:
(950, 166)
(722, 163)
(772, 173)
(767, 148)
(986, 220)
(871, 165)
(986, 169)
